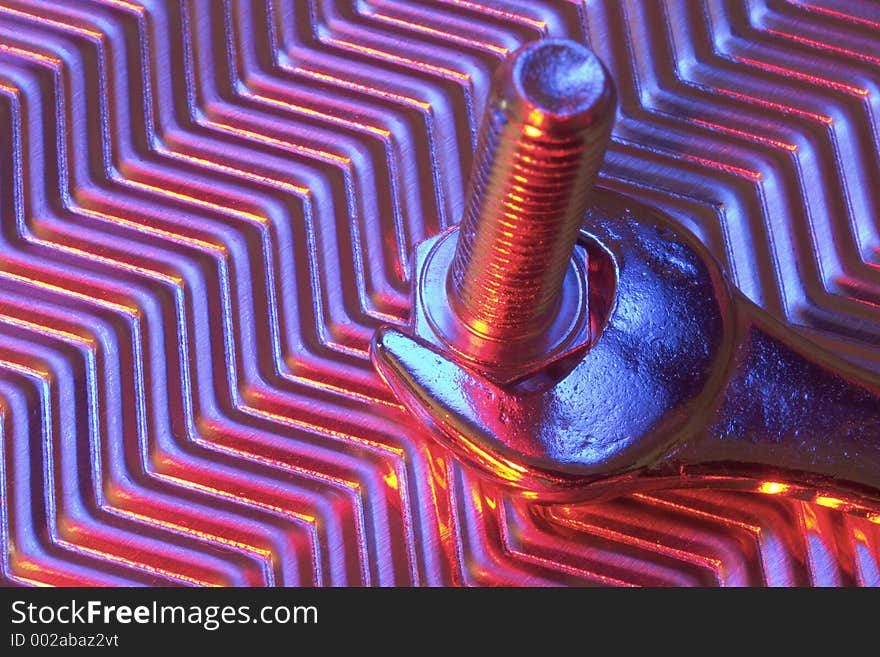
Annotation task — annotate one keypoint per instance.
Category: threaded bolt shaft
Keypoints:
(542, 141)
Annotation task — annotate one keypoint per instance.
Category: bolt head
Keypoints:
(530, 362)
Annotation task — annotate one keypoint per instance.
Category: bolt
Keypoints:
(543, 138)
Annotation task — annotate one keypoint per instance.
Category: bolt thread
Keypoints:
(528, 192)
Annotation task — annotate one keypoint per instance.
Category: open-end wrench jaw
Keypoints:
(685, 377)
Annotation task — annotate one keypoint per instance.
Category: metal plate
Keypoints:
(207, 207)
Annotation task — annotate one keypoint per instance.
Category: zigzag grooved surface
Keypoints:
(207, 207)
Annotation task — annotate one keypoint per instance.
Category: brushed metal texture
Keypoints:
(207, 207)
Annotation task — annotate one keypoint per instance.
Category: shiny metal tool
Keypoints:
(570, 342)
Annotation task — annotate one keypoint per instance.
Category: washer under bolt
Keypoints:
(542, 141)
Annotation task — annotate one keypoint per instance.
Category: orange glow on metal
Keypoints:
(729, 168)
(812, 79)
(350, 476)
(277, 463)
(131, 563)
(828, 501)
(125, 5)
(502, 467)
(824, 46)
(811, 522)
(326, 431)
(439, 489)
(127, 310)
(153, 230)
(151, 273)
(439, 469)
(97, 36)
(777, 106)
(346, 349)
(324, 116)
(286, 145)
(27, 54)
(192, 199)
(250, 175)
(373, 91)
(746, 135)
(500, 13)
(476, 496)
(626, 539)
(347, 392)
(30, 582)
(62, 335)
(25, 369)
(260, 553)
(482, 45)
(680, 155)
(835, 14)
(352, 487)
(555, 564)
(212, 490)
(397, 59)
(103, 554)
(773, 488)
(650, 499)
(391, 479)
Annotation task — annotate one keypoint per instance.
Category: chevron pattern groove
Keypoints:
(208, 206)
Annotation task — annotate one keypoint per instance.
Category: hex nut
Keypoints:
(506, 362)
